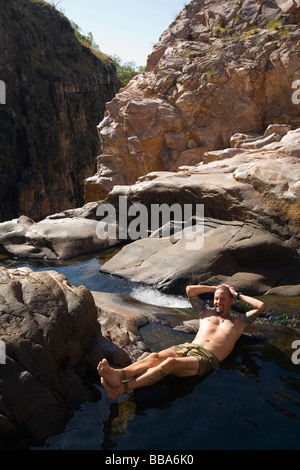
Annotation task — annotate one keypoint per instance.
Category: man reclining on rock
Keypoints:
(217, 335)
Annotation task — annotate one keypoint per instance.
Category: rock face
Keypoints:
(121, 317)
(213, 121)
(56, 90)
(51, 334)
(240, 254)
(60, 236)
(221, 68)
(251, 219)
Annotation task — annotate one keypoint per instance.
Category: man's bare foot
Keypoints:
(113, 377)
(113, 392)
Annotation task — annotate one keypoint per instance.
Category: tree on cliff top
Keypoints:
(126, 71)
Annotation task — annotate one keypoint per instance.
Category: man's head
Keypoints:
(223, 300)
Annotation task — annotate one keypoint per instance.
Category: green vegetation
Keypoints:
(187, 54)
(210, 75)
(248, 34)
(125, 71)
(38, 1)
(253, 31)
(43, 62)
(219, 31)
(86, 40)
(274, 24)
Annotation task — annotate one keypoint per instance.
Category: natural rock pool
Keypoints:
(251, 402)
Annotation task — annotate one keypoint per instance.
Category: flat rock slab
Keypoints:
(51, 238)
(249, 258)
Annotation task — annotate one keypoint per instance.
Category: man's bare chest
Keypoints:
(217, 325)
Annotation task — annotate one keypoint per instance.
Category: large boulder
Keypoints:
(61, 236)
(241, 254)
(52, 339)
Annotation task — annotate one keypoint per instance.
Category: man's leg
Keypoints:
(173, 364)
(114, 377)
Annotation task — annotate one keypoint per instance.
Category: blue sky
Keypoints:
(128, 29)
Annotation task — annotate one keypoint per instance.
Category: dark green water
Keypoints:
(251, 402)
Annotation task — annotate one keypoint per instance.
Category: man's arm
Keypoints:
(257, 306)
(193, 292)
(251, 316)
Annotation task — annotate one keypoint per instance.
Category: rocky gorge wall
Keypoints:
(56, 90)
(220, 68)
(214, 120)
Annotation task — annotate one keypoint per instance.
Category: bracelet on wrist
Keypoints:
(238, 295)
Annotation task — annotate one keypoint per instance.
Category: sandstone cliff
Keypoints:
(221, 68)
(56, 90)
(214, 120)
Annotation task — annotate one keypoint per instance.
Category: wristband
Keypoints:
(238, 295)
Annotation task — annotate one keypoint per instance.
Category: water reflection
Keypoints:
(251, 402)
(225, 411)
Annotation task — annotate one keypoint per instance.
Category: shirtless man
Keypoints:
(217, 335)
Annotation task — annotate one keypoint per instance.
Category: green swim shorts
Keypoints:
(207, 360)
